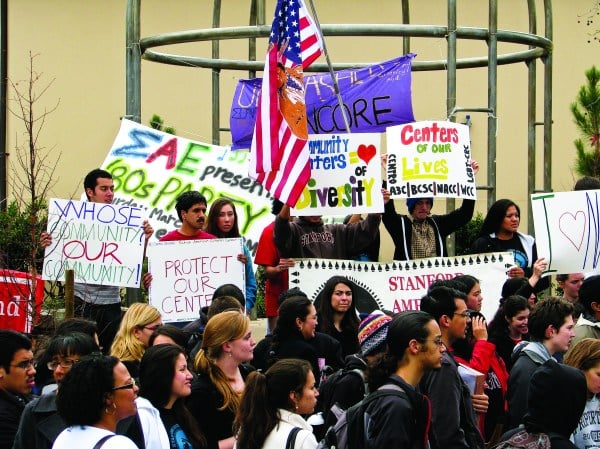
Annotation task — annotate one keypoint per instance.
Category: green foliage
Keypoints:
(586, 115)
(466, 235)
(259, 305)
(156, 122)
(19, 224)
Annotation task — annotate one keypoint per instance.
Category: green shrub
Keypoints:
(466, 235)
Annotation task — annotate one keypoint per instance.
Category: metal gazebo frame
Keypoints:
(537, 48)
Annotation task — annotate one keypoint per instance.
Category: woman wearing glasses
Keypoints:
(40, 422)
(93, 397)
(476, 351)
(165, 381)
(134, 333)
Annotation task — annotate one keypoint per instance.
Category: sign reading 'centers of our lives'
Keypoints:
(186, 273)
(102, 243)
(428, 159)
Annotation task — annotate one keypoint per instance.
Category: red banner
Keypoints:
(16, 310)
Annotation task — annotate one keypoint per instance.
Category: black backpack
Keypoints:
(349, 431)
(328, 387)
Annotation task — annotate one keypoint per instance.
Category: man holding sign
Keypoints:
(98, 302)
(420, 235)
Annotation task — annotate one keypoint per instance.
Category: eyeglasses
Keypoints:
(25, 364)
(465, 314)
(129, 386)
(153, 328)
(64, 364)
(436, 341)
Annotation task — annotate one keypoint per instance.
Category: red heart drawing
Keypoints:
(366, 153)
(572, 228)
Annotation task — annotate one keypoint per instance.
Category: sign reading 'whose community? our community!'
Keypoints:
(102, 243)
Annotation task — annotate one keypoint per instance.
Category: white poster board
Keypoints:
(397, 286)
(186, 273)
(102, 243)
(430, 159)
(151, 169)
(567, 230)
(345, 175)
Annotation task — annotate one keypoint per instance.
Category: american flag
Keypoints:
(279, 157)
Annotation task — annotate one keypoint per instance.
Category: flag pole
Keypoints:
(336, 87)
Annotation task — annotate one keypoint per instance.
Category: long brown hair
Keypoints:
(263, 396)
(221, 328)
(213, 218)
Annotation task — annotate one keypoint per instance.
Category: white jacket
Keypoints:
(155, 434)
(277, 439)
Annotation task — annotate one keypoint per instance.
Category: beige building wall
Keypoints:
(80, 44)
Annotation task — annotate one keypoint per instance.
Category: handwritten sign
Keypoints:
(345, 175)
(567, 230)
(102, 243)
(151, 169)
(374, 97)
(430, 159)
(398, 286)
(186, 273)
(17, 311)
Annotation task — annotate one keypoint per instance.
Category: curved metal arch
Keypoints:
(543, 45)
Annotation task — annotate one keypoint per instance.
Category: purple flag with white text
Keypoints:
(374, 97)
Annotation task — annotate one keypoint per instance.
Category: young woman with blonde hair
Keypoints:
(227, 345)
(133, 335)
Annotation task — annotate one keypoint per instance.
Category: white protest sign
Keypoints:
(345, 175)
(428, 159)
(151, 169)
(102, 243)
(567, 230)
(186, 273)
(397, 286)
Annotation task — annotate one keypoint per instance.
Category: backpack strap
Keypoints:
(355, 415)
(102, 440)
(291, 439)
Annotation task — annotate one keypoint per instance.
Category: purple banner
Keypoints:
(374, 98)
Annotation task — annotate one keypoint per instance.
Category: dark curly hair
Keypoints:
(81, 397)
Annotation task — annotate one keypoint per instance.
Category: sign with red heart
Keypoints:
(345, 175)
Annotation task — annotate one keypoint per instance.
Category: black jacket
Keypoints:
(400, 228)
(321, 346)
(40, 424)
(453, 424)
(556, 399)
(394, 422)
(11, 408)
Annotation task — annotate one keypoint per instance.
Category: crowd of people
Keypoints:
(113, 380)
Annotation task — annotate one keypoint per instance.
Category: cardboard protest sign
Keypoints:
(430, 159)
(345, 175)
(397, 286)
(567, 230)
(186, 273)
(17, 311)
(102, 243)
(374, 97)
(151, 169)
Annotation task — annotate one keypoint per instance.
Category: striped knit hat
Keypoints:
(372, 332)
